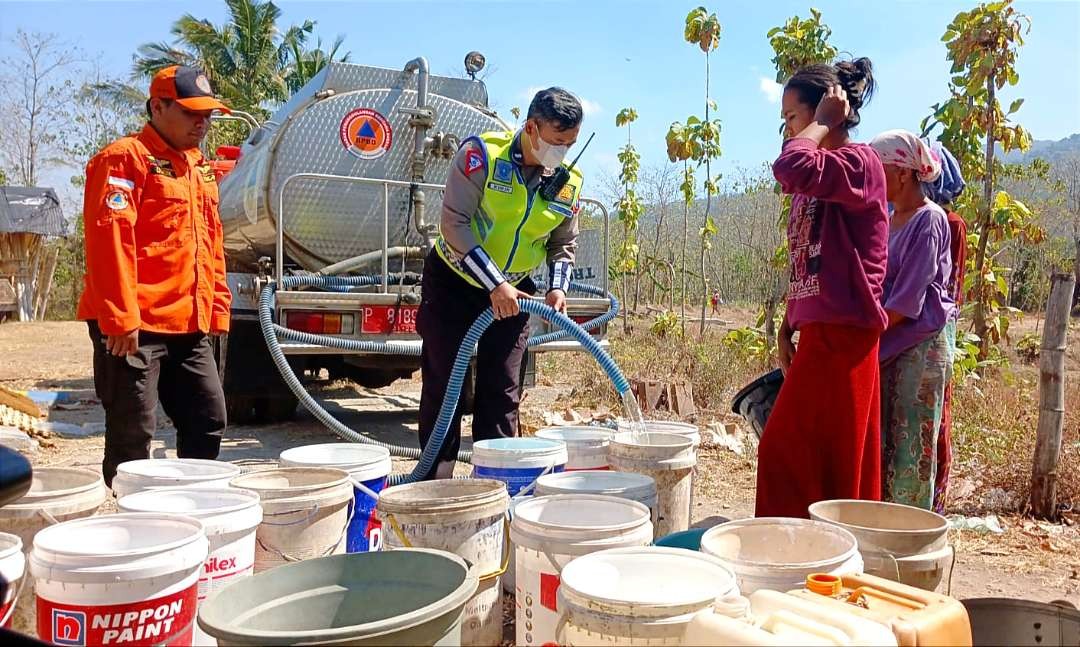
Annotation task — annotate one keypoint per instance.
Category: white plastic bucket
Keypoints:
(669, 459)
(638, 596)
(368, 466)
(148, 473)
(124, 578)
(466, 517)
(12, 568)
(517, 462)
(668, 427)
(56, 494)
(777, 553)
(229, 518)
(306, 512)
(625, 485)
(550, 531)
(586, 447)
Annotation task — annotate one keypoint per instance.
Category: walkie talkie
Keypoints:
(552, 184)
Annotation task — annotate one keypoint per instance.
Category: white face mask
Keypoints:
(549, 155)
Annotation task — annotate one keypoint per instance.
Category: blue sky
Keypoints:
(629, 53)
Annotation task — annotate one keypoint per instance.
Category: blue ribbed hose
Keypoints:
(430, 453)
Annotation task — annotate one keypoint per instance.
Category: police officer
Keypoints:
(155, 276)
(496, 229)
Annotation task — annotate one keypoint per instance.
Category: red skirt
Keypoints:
(823, 437)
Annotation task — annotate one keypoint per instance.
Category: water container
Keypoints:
(548, 532)
(586, 447)
(12, 569)
(638, 596)
(668, 459)
(144, 474)
(778, 553)
(518, 462)
(306, 513)
(400, 597)
(229, 517)
(915, 617)
(368, 467)
(668, 427)
(123, 578)
(466, 517)
(898, 542)
(754, 402)
(625, 485)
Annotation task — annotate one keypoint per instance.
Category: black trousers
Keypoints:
(448, 307)
(178, 370)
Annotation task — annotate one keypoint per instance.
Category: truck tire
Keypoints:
(254, 390)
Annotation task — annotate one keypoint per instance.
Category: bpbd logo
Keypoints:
(68, 627)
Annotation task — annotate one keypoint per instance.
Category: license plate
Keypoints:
(385, 320)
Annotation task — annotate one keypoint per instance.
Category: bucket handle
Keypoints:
(505, 561)
(329, 551)
(44, 514)
(311, 515)
(524, 492)
(365, 489)
(952, 568)
(15, 600)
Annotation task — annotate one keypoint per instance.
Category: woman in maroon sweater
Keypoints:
(823, 438)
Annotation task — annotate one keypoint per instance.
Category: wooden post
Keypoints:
(44, 282)
(1044, 473)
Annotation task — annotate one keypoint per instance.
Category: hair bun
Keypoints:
(857, 79)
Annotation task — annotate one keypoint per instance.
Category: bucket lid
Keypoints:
(523, 447)
(362, 462)
(138, 544)
(179, 469)
(590, 435)
(649, 577)
(199, 503)
(627, 484)
(778, 543)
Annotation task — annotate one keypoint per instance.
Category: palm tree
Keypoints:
(252, 64)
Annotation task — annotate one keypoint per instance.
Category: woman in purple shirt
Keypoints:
(914, 352)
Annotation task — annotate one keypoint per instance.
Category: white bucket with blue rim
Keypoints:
(518, 462)
(368, 466)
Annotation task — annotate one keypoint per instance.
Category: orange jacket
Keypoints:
(154, 254)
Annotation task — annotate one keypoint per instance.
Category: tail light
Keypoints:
(321, 323)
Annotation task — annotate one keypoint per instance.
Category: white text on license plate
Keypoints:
(385, 320)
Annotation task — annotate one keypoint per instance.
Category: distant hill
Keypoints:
(1050, 151)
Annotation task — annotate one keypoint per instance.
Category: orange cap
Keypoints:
(187, 86)
(824, 584)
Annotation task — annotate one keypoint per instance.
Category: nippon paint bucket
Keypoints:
(12, 569)
(638, 596)
(144, 474)
(405, 597)
(517, 462)
(778, 553)
(229, 517)
(668, 459)
(625, 485)
(466, 517)
(56, 494)
(550, 531)
(123, 578)
(368, 467)
(586, 447)
(306, 513)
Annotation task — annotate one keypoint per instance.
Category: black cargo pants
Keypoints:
(448, 307)
(180, 371)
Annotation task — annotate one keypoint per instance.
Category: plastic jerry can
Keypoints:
(776, 618)
(916, 617)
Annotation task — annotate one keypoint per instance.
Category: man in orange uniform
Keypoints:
(155, 276)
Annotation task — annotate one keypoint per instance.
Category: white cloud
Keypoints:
(771, 89)
(591, 108)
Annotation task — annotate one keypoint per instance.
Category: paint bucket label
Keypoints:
(224, 567)
(167, 620)
(516, 478)
(5, 606)
(365, 529)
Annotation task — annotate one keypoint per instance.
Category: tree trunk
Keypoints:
(1076, 274)
(979, 314)
(1044, 473)
(682, 267)
(708, 208)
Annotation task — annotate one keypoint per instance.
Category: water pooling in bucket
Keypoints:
(633, 414)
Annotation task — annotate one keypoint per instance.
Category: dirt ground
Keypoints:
(1029, 560)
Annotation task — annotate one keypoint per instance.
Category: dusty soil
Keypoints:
(1029, 560)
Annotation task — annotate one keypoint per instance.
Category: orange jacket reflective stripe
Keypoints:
(154, 254)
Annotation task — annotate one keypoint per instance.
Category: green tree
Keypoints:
(983, 45)
(629, 210)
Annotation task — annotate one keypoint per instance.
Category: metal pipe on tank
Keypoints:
(423, 119)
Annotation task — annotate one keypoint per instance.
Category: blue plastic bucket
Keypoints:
(688, 539)
(368, 467)
(518, 462)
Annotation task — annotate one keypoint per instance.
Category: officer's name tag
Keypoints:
(501, 188)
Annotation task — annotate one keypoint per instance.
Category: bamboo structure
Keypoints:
(28, 216)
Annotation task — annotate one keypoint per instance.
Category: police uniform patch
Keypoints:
(116, 200)
(206, 172)
(473, 161)
(566, 194)
(504, 171)
(562, 210)
(161, 167)
(501, 188)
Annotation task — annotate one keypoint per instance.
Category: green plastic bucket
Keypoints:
(687, 539)
(403, 597)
